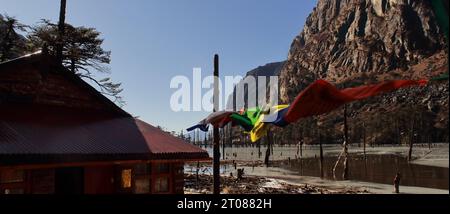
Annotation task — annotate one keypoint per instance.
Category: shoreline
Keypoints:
(371, 187)
(255, 169)
(437, 156)
(274, 180)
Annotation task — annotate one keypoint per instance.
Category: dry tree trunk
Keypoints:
(321, 155)
(346, 165)
(224, 140)
(364, 139)
(259, 148)
(301, 148)
(269, 145)
(344, 150)
(411, 141)
(337, 163)
(345, 173)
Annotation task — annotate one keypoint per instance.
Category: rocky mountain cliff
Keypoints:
(343, 40)
(364, 41)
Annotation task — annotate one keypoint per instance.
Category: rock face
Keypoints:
(365, 41)
(344, 40)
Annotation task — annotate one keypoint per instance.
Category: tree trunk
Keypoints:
(397, 127)
(411, 141)
(259, 149)
(345, 173)
(61, 26)
(321, 155)
(269, 145)
(364, 139)
(337, 163)
(72, 65)
(197, 171)
(346, 165)
(224, 134)
(344, 150)
(301, 149)
(429, 141)
(198, 142)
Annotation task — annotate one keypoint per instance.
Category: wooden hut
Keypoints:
(58, 134)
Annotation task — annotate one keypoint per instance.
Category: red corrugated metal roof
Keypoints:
(160, 142)
(47, 131)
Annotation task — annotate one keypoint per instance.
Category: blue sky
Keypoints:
(154, 40)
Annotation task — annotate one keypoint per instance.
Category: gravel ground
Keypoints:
(258, 185)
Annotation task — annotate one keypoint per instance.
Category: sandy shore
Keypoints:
(274, 180)
(288, 177)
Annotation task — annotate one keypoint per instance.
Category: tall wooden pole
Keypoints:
(61, 26)
(216, 152)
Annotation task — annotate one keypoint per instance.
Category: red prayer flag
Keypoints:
(322, 97)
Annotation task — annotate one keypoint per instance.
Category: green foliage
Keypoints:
(82, 53)
(12, 43)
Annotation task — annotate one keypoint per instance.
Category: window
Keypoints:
(163, 168)
(12, 181)
(142, 178)
(162, 185)
(13, 191)
(126, 178)
(142, 169)
(142, 185)
(11, 176)
(43, 181)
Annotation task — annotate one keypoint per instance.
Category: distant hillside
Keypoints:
(268, 70)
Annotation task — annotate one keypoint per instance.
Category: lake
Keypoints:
(380, 165)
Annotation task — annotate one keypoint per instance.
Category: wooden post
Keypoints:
(61, 29)
(216, 148)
